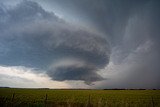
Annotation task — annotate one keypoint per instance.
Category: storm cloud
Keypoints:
(132, 29)
(33, 37)
(119, 47)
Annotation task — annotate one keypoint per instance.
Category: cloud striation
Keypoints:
(33, 37)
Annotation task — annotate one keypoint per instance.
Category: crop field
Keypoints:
(10, 97)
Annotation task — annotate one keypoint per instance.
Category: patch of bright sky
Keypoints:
(19, 76)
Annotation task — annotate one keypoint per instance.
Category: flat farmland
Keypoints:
(12, 97)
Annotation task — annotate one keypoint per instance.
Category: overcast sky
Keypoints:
(80, 43)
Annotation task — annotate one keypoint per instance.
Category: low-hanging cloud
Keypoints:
(33, 37)
(133, 31)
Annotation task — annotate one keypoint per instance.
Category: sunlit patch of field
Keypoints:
(78, 98)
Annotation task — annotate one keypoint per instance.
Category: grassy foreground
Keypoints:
(10, 97)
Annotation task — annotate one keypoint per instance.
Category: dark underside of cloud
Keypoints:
(33, 37)
(130, 38)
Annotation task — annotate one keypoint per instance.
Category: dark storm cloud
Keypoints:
(33, 37)
(74, 72)
(136, 43)
(30, 36)
(108, 16)
(133, 31)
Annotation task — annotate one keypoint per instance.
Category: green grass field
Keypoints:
(78, 98)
